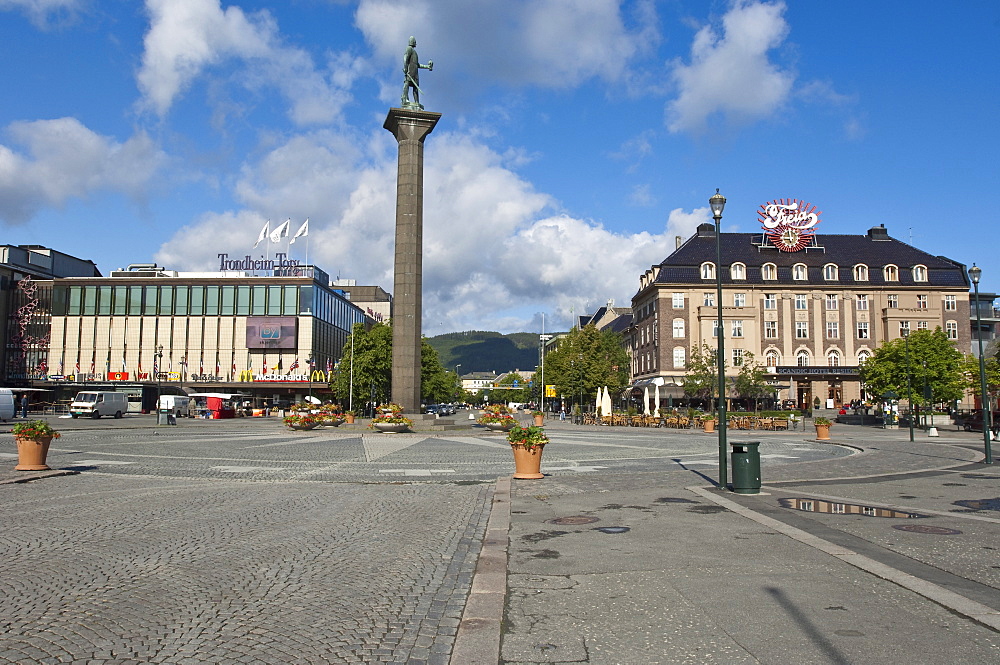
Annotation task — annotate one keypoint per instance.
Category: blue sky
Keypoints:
(578, 137)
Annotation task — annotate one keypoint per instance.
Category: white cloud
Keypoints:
(731, 74)
(63, 159)
(187, 38)
(42, 13)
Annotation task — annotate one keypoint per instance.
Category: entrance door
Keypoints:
(836, 393)
(804, 396)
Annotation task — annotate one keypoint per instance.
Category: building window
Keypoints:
(678, 301)
(708, 271)
(708, 300)
(680, 359)
(951, 327)
(922, 325)
(892, 301)
(737, 327)
(738, 271)
(862, 330)
(801, 301)
(801, 330)
(771, 329)
(802, 359)
(861, 273)
(739, 300)
(833, 359)
(715, 327)
(831, 301)
(921, 302)
(890, 273)
(769, 271)
(771, 359)
(863, 356)
(832, 330)
(950, 303)
(919, 273)
(904, 328)
(831, 272)
(737, 357)
(862, 302)
(678, 327)
(800, 272)
(770, 301)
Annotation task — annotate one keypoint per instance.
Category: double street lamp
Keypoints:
(975, 273)
(718, 202)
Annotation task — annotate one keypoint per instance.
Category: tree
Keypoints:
(750, 383)
(367, 355)
(970, 369)
(702, 378)
(906, 365)
(585, 360)
(436, 383)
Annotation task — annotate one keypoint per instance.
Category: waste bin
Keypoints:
(165, 417)
(746, 467)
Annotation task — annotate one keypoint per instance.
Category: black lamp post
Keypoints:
(718, 202)
(909, 387)
(159, 372)
(974, 274)
(309, 364)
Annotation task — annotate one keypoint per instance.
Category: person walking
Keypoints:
(24, 405)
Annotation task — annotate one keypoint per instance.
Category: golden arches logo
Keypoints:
(317, 375)
(246, 375)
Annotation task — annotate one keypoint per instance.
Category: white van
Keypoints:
(179, 405)
(97, 404)
(6, 404)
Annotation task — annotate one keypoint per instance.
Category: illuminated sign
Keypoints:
(117, 376)
(248, 376)
(271, 332)
(789, 223)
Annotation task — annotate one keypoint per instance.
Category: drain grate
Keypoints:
(927, 529)
(573, 520)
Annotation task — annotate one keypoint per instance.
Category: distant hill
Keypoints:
(484, 351)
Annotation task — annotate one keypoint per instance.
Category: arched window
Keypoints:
(769, 271)
(861, 273)
(708, 270)
(678, 327)
(679, 357)
(864, 355)
(831, 272)
(890, 273)
(799, 271)
(738, 271)
(802, 359)
(771, 359)
(919, 273)
(833, 359)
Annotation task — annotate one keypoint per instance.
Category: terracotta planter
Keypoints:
(708, 425)
(390, 428)
(31, 453)
(539, 420)
(350, 418)
(527, 463)
(822, 432)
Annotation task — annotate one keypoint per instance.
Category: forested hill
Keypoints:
(484, 351)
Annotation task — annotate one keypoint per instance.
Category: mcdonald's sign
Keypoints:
(117, 376)
(318, 375)
(246, 375)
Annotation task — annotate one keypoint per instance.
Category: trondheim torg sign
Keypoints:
(789, 223)
(281, 265)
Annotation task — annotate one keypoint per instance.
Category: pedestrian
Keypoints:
(562, 413)
(24, 405)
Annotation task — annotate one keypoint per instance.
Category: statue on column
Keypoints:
(411, 76)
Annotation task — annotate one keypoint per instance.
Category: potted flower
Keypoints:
(539, 417)
(33, 438)
(389, 419)
(497, 417)
(350, 415)
(708, 422)
(527, 444)
(822, 428)
(329, 415)
(300, 421)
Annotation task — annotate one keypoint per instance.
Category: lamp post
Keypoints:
(309, 363)
(974, 274)
(159, 372)
(460, 386)
(718, 202)
(909, 387)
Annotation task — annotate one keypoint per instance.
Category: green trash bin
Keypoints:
(746, 467)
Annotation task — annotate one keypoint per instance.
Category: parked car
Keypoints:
(974, 421)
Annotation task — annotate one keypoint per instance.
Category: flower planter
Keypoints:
(390, 428)
(500, 427)
(302, 428)
(539, 420)
(350, 418)
(822, 432)
(527, 462)
(31, 453)
(708, 425)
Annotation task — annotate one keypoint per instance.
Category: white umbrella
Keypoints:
(656, 397)
(645, 401)
(599, 402)
(607, 401)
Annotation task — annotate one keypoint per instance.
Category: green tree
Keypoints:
(970, 369)
(367, 355)
(436, 383)
(750, 383)
(702, 377)
(906, 365)
(585, 360)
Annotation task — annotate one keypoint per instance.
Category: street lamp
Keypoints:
(309, 364)
(909, 387)
(718, 202)
(974, 274)
(460, 386)
(159, 372)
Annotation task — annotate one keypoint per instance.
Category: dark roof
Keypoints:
(875, 250)
(620, 324)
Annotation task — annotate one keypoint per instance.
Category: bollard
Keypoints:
(746, 467)
(932, 431)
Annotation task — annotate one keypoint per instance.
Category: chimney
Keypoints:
(878, 233)
(677, 242)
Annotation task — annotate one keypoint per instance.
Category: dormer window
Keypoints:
(800, 272)
(831, 272)
(738, 271)
(708, 271)
(919, 273)
(769, 271)
(890, 273)
(861, 273)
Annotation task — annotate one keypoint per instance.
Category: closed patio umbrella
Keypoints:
(607, 401)
(645, 401)
(656, 398)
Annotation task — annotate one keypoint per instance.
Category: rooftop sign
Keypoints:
(789, 223)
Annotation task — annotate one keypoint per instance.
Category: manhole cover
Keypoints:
(573, 519)
(980, 504)
(612, 529)
(926, 528)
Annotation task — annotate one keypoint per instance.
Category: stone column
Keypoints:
(410, 127)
